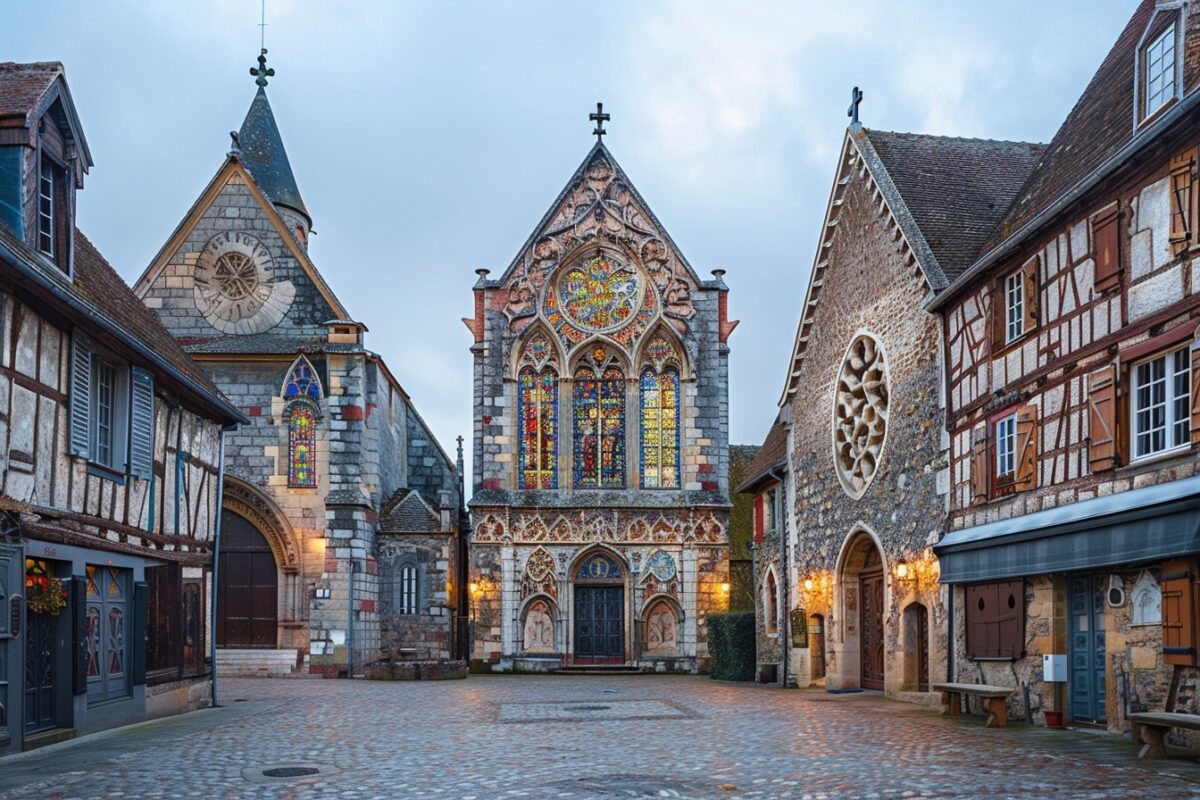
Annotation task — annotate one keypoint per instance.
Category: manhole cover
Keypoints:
(290, 772)
(587, 708)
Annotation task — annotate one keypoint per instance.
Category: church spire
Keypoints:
(262, 150)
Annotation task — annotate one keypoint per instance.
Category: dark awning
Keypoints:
(1148, 524)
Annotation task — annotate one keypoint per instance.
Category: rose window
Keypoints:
(235, 275)
(860, 412)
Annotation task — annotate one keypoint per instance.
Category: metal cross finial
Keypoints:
(262, 72)
(262, 26)
(599, 118)
(852, 112)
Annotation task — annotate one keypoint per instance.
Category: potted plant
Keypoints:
(45, 595)
(1054, 719)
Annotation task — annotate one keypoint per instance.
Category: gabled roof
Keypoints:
(264, 155)
(771, 457)
(956, 189)
(598, 151)
(27, 90)
(407, 512)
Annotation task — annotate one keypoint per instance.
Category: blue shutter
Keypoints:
(141, 423)
(81, 393)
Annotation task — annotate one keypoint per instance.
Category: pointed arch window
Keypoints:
(302, 446)
(537, 416)
(659, 402)
(302, 381)
(599, 416)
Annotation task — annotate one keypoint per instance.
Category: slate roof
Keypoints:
(772, 453)
(1100, 124)
(406, 512)
(957, 190)
(22, 85)
(264, 155)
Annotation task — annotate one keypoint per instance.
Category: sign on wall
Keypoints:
(799, 628)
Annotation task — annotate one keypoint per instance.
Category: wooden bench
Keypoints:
(1151, 728)
(993, 698)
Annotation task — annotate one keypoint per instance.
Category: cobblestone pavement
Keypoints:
(582, 737)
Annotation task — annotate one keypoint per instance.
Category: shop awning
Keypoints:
(1148, 524)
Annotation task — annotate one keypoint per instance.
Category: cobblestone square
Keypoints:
(581, 737)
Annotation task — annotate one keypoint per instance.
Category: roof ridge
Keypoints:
(957, 138)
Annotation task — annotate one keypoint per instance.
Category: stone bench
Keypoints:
(993, 698)
(1151, 728)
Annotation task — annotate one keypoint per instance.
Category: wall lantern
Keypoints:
(808, 584)
(473, 588)
(724, 588)
(901, 569)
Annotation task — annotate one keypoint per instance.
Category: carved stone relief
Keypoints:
(860, 412)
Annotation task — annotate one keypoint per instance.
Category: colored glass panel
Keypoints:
(599, 295)
(537, 414)
(302, 447)
(598, 567)
(660, 429)
(302, 381)
(599, 408)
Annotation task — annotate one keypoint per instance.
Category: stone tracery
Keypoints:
(860, 413)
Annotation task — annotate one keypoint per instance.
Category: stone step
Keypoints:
(248, 662)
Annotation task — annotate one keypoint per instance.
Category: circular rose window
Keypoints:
(860, 411)
(600, 294)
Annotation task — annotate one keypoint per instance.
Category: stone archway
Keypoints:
(662, 619)
(915, 621)
(861, 609)
(598, 607)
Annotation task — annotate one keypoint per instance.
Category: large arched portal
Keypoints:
(248, 597)
(861, 587)
(599, 630)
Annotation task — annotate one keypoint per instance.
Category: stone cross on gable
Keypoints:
(599, 118)
(852, 112)
(261, 72)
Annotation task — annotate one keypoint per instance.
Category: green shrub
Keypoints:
(731, 644)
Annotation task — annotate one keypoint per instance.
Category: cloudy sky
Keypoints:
(429, 138)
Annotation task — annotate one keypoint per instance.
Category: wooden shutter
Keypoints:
(998, 313)
(1106, 247)
(141, 423)
(1195, 356)
(1179, 612)
(996, 620)
(980, 464)
(1102, 419)
(1029, 275)
(81, 393)
(1181, 199)
(1026, 448)
(758, 517)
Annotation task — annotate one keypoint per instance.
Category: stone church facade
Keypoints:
(600, 510)
(341, 511)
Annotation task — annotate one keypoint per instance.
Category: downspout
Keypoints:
(216, 569)
(754, 593)
(785, 570)
(350, 623)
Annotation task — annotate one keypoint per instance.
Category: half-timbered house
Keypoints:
(1073, 410)
(110, 454)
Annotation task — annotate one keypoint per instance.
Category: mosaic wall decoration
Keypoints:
(660, 429)
(302, 446)
(599, 295)
(599, 567)
(302, 381)
(599, 415)
(661, 565)
(537, 419)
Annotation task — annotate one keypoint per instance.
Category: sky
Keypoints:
(428, 139)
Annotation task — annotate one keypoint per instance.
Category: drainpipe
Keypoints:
(754, 594)
(212, 639)
(785, 570)
(350, 622)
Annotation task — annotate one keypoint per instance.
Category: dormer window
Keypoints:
(47, 198)
(1159, 77)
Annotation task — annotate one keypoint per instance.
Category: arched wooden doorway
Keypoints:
(599, 609)
(870, 592)
(248, 596)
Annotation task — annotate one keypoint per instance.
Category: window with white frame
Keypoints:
(407, 602)
(1006, 446)
(46, 185)
(1014, 306)
(1161, 404)
(1160, 70)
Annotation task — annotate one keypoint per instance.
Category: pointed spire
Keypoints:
(262, 148)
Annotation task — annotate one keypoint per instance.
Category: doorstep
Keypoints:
(46, 738)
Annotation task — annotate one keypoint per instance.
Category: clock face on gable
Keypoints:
(235, 287)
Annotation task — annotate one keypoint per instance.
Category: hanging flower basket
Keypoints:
(45, 596)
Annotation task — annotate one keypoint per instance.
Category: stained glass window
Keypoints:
(660, 429)
(302, 381)
(537, 413)
(599, 415)
(302, 446)
(598, 567)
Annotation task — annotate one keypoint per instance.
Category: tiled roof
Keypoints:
(406, 512)
(956, 190)
(1100, 124)
(772, 453)
(22, 85)
(264, 155)
(99, 282)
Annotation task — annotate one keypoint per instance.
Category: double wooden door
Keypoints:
(247, 613)
(870, 593)
(600, 622)
(1085, 603)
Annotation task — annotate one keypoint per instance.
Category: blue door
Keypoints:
(1085, 603)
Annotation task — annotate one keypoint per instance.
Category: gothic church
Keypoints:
(340, 521)
(601, 498)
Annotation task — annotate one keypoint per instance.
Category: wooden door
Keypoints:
(922, 649)
(599, 623)
(247, 613)
(1085, 601)
(870, 591)
(41, 661)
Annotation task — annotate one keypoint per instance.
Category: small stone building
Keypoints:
(601, 496)
(335, 453)
(868, 480)
(741, 531)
